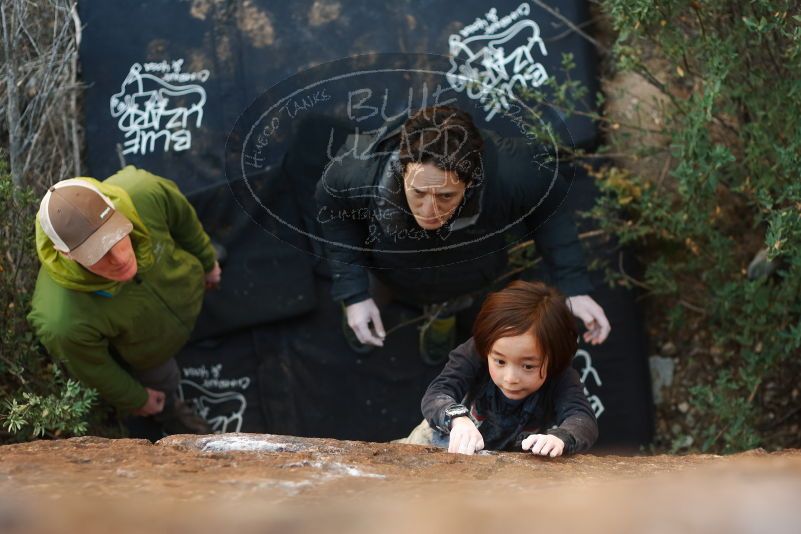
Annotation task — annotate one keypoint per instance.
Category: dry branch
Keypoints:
(41, 91)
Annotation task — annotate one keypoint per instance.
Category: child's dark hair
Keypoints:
(446, 137)
(529, 307)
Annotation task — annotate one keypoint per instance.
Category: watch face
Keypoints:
(456, 411)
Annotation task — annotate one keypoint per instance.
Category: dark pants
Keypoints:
(464, 308)
(165, 377)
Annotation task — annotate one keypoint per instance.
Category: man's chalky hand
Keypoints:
(359, 316)
(214, 276)
(593, 317)
(153, 405)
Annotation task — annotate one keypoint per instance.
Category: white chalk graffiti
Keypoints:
(223, 411)
(489, 65)
(589, 371)
(149, 109)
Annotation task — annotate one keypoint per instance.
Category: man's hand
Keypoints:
(359, 316)
(593, 316)
(544, 445)
(153, 405)
(213, 277)
(465, 437)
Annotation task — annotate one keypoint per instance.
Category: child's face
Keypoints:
(517, 366)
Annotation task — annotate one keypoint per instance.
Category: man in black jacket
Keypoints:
(423, 212)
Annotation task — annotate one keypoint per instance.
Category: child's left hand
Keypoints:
(544, 445)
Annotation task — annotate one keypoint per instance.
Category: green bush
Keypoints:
(729, 75)
(36, 398)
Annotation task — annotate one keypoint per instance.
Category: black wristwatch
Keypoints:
(453, 411)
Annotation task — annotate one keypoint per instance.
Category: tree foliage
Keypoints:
(729, 77)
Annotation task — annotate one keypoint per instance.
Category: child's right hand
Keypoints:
(465, 437)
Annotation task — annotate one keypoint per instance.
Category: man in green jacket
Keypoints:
(125, 263)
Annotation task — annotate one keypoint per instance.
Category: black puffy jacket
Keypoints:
(366, 221)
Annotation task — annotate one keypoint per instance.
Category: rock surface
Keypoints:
(265, 483)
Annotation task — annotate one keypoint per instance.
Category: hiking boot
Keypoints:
(437, 339)
(350, 337)
(181, 418)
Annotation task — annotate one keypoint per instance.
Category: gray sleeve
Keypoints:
(452, 384)
(578, 427)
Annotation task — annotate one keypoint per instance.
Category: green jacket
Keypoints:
(79, 316)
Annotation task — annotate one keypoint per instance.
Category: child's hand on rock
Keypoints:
(544, 445)
(465, 437)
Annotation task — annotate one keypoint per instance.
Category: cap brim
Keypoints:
(99, 243)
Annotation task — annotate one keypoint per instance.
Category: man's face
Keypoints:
(432, 194)
(119, 263)
(517, 366)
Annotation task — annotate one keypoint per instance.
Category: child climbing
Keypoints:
(511, 386)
